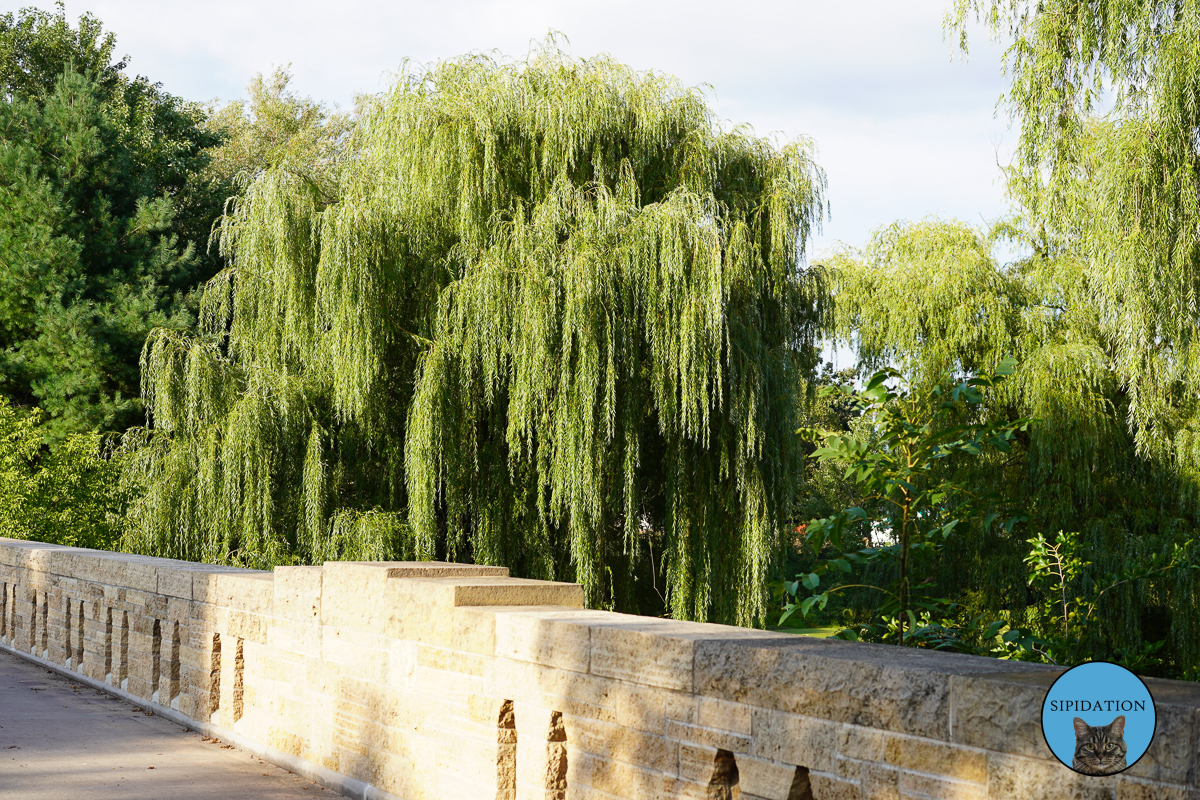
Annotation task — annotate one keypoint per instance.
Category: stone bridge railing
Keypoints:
(427, 680)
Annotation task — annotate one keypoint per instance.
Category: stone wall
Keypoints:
(426, 680)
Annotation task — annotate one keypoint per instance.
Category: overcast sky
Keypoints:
(903, 128)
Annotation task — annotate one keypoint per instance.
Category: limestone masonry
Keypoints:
(429, 680)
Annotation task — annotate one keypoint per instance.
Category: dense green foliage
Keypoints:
(905, 478)
(275, 128)
(552, 317)
(103, 220)
(931, 298)
(1107, 96)
(68, 495)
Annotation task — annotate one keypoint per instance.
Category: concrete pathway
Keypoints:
(61, 740)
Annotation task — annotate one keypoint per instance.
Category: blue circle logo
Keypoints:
(1098, 718)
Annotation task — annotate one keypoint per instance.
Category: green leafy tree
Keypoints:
(277, 127)
(36, 46)
(555, 318)
(1107, 169)
(69, 495)
(100, 218)
(931, 298)
(1073, 598)
(915, 503)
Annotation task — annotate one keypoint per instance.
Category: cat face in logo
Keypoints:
(1100, 749)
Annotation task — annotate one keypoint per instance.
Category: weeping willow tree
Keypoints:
(550, 314)
(1107, 96)
(932, 298)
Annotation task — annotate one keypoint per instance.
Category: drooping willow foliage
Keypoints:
(553, 316)
(932, 298)
(1107, 96)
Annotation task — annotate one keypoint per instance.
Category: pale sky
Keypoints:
(903, 127)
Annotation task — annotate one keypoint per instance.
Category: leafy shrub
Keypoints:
(68, 494)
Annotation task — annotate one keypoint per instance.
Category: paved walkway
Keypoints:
(61, 740)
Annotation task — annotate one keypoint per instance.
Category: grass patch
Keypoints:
(820, 633)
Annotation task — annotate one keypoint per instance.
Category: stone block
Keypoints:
(766, 779)
(375, 595)
(416, 569)
(1172, 756)
(156, 606)
(176, 581)
(1001, 712)
(923, 786)
(473, 630)
(697, 763)
(724, 715)
(1019, 778)
(487, 591)
(139, 574)
(695, 734)
(450, 660)
(246, 590)
(682, 707)
(614, 778)
(829, 787)
(643, 651)
(204, 583)
(396, 774)
(178, 610)
(358, 596)
(284, 741)
(297, 593)
(1133, 789)
(402, 662)
(850, 769)
(87, 565)
(248, 626)
(609, 740)
(855, 741)
(294, 637)
(138, 687)
(888, 688)
(552, 636)
(937, 758)
(357, 654)
(638, 707)
(793, 739)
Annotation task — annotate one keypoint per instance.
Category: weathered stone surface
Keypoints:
(175, 582)
(798, 740)
(1029, 778)
(1001, 712)
(488, 591)
(888, 691)
(642, 651)
(880, 783)
(917, 785)
(828, 787)
(766, 779)
(724, 715)
(855, 741)
(297, 593)
(935, 758)
(1134, 789)
(1172, 756)
(547, 636)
